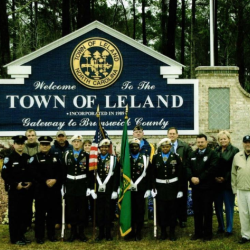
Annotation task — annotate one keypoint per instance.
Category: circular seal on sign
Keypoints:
(96, 63)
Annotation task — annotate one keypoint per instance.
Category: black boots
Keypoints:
(101, 234)
(82, 236)
(73, 234)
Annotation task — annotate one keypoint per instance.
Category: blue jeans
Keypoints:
(227, 197)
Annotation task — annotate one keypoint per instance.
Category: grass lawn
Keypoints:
(148, 241)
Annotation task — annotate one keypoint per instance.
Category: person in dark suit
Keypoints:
(77, 183)
(107, 180)
(166, 172)
(47, 175)
(16, 174)
(183, 150)
(140, 187)
(202, 170)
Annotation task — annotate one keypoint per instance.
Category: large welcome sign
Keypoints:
(60, 86)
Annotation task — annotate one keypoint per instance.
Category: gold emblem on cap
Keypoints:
(96, 63)
(45, 137)
(20, 137)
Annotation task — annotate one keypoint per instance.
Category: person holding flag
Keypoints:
(107, 176)
(140, 186)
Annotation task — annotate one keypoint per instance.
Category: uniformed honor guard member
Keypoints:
(47, 176)
(107, 184)
(166, 174)
(77, 184)
(16, 174)
(140, 187)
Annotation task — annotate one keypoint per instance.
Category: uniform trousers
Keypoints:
(227, 197)
(18, 206)
(104, 210)
(166, 212)
(243, 198)
(77, 210)
(138, 209)
(203, 211)
(46, 211)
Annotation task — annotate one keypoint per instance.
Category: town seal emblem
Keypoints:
(96, 63)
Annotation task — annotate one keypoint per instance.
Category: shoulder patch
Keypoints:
(31, 159)
(4, 167)
(6, 160)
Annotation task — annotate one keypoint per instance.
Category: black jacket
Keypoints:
(204, 167)
(225, 165)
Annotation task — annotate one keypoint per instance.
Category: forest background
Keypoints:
(178, 29)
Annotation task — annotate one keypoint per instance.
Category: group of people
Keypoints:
(47, 173)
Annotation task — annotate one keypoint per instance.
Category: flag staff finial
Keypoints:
(126, 112)
(97, 111)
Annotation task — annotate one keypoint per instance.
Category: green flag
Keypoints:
(124, 202)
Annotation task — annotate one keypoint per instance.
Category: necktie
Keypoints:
(172, 149)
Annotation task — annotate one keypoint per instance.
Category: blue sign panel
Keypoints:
(67, 84)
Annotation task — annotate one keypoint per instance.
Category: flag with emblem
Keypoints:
(124, 202)
(100, 134)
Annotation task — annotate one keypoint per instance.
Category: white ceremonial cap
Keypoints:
(104, 142)
(135, 140)
(164, 141)
(77, 137)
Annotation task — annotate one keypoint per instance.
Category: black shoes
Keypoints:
(52, 239)
(19, 242)
(26, 240)
(196, 237)
(183, 224)
(227, 234)
(163, 235)
(83, 238)
(138, 236)
(172, 236)
(243, 240)
(39, 241)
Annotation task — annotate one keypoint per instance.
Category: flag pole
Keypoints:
(95, 173)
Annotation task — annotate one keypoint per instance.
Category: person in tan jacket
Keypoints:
(241, 186)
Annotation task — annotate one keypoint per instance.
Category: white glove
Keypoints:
(146, 195)
(93, 194)
(179, 195)
(153, 193)
(118, 190)
(88, 192)
(114, 196)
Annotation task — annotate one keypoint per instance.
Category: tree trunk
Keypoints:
(240, 44)
(192, 41)
(134, 19)
(144, 35)
(183, 17)
(65, 17)
(164, 27)
(171, 29)
(4, 38)
(83, 15)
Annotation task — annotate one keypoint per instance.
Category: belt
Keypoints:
(166, 181)
(77, 177)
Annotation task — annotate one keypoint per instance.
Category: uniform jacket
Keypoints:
(225, 165)
(204, 167)
(241, 172)
(44, 167)
(76, 167)
(59, 151)
(169, 170)
(103, 171)
(137, 168)
(15, 170)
